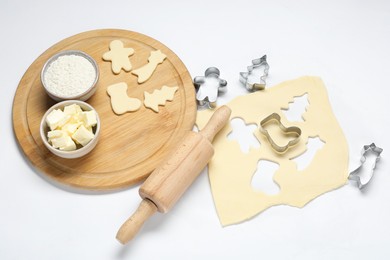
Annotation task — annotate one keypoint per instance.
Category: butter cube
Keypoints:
(70, 145)
(89, 118)
(55, 118)
(70, 128)
(64, 120)
(83, 136)
(72, 109)
(90, 129)
(54, 134)
(63, 143)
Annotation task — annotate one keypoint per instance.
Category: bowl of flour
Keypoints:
(70, 75)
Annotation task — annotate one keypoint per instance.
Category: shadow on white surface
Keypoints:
(152, 225)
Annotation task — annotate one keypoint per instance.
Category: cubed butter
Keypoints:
(55, 118)
(71, 128)
(89, 118)
(54, 134)
(63, 143)
(83, 136)
(72, 109)
(70, 145)
(63, 121)
(90, 129)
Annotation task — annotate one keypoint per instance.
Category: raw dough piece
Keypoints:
(159, 97)
(119, 56)
(120, 101)
(231, 170)
(144, 73)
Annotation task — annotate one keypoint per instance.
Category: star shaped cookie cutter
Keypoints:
(372, 148)
(208, 87)
(256, 63)
(286, 130)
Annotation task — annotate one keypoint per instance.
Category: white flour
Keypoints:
(69, 75)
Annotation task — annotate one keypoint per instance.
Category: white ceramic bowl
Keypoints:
(80, 96)
(80, 151)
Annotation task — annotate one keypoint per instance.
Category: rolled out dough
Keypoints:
(231, 170)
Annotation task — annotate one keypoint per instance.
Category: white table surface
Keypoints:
(345, 42)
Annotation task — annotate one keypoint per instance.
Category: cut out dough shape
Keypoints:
(120, 101)
(145, 72)
(312, 146)
(262, 179)
(119, 57)
(245, 137)
(159, 97)
(230, 170)
(296, 109)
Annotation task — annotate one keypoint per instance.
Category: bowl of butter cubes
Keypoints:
(70, 129)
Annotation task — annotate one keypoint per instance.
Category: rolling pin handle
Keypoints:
(216, 123)
(133, 224)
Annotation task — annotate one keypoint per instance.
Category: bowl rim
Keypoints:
(59, 105)
(70, 52)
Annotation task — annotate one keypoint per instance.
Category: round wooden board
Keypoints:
(131, 145)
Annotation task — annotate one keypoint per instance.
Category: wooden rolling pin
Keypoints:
(168, 182)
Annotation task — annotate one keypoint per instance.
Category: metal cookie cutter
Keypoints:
(286, 130)
(372, 148)
(209, 86)
(255, 64)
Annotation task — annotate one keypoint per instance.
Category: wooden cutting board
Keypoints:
(131, 145)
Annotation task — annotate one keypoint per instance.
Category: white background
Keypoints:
(346, 43)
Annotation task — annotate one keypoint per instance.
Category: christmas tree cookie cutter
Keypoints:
(354, 175)
(286, 130)
(256, 63)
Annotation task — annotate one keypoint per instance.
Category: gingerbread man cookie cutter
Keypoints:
(256, 63)
(354, 175)
(286, 130)
(209, 86)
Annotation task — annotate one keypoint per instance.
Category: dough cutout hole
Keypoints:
(312, 146)
(262, 179)
(296, 108)
(244, 134)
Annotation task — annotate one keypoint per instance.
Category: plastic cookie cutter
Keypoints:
(209, 86)
(261, 62)
(354, 175)
(286, 130)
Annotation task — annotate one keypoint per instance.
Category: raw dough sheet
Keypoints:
(231, 170)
